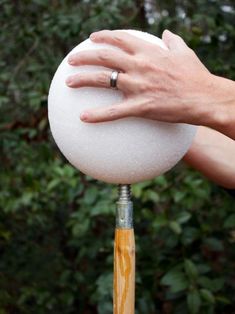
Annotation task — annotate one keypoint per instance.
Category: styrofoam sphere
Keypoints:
(124, 151)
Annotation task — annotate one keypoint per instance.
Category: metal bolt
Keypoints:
(124, 208)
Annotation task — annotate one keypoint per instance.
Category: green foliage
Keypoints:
(56, 224)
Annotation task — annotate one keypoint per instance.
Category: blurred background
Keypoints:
(56, 224)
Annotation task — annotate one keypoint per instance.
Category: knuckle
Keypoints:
(104, 55)
(145, 109)
(188, 52)
(102, 79)
(137, 62)
(118, 40)
(143, 86)
(144, 64)
(112, 112)
(81, 79)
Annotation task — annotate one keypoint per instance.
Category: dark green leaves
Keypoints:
(230, 222)
(56, 224)
(194, 301)
(190, 269)
(207, 296)
(175, 280)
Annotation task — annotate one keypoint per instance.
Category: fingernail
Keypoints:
(71, 60)
(93, 36)
(69, 81)
(84, 115)
(169, 31)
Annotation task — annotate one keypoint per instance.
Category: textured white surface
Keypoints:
(128, 150)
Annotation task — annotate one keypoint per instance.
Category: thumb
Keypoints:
(173, 41)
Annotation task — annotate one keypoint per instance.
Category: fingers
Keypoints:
(121, 39)
(99, 79)
(173, 41)
(103, 114)
(103, 57)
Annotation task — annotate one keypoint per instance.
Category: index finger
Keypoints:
(121, 39)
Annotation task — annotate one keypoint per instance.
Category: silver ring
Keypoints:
(113, 79)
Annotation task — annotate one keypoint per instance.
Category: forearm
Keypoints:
(212, 154)
(218, 105)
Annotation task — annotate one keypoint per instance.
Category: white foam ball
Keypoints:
(124, 151)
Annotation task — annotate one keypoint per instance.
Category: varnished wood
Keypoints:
(124, 272)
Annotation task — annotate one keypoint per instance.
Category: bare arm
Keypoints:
(213, 154)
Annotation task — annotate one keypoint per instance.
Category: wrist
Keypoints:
(220, 105)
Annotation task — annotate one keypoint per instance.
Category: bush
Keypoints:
(56, 224)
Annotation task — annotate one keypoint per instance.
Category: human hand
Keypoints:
(167, 85)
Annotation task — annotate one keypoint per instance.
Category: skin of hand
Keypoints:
(166, 85)
(212, 153)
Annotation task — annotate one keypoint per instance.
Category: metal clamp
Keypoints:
(124, 208)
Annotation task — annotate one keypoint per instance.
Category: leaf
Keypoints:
(223, 299)
(203, 268)
(230, 222)
(218, 284)
(189, 235)
(205, 282)
(211, 284)
(152, 196)
(175, 227)
(161, 181)
(102, 207)
(183, 217)
(53, 183)
(160, 221)
(90, 196)
(178, 196)
(194, 301)
(104, 284)
(207, 296)
(80, 228)
(176, 280)
(190, 269)
(214, 244)
(138, 189)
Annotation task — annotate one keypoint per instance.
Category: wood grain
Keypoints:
(124, 272)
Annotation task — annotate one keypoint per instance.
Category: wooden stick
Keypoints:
(124, 272)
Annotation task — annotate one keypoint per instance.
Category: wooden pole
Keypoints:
(124, 272)
(124, 256)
